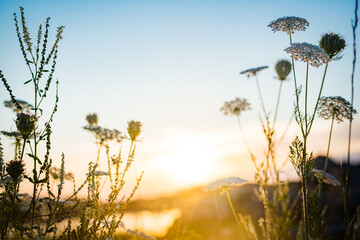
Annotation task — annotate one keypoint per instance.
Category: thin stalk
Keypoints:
(346, 200)
(277, 104)
(234, 213)
(317, 102)
(327, 156)
(306, 97)
(260, 95)
(294, 74)
(244, 137)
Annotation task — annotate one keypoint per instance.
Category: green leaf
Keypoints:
(34, 157)
(28, 61)
(28, 81)
(29, 178)
(44, 70)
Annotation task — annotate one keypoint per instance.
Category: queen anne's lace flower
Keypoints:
(289, 24)
(224, 184)
(235, 107)
(335, 106)
(253, 71)
(308, 53)
(328, 178)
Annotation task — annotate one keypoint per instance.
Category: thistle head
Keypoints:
(283, 68)
(134, 129)
(25, 124)
(15, 168)
(92, 119)
(332, 44)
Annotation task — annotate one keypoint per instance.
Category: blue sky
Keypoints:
(171, 65)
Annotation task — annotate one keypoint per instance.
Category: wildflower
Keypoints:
(308, 53)
(336, 107)
(134, 129)
(283, 68)
(69, 176)
(11, 134)
(332, 44)
(253, 71)
(224, 184)
(23, 104)
(104, 134)
(100, 173)
(235, 107)
(15, 168)
(289, 24)
(92, 119)
(328, 178)
(25, 124)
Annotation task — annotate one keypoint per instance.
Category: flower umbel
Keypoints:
(224, 184)
(308, 53)
(328, 178)
(134, 129)
(333, 44)
(289, 24)
(283, 68)
(235, 107)
(336, 107)
(25, 106)
(253, 71)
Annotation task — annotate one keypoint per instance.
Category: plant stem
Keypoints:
(317, 102)
(327, 155)
(277, 104)
(236, 217)
(260, 95)
(346, 200)
(244, 138)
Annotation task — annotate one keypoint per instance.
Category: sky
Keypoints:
(172, 65)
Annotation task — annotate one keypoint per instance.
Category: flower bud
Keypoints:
(134, 129)
(332, 44)
(283, 68)
(92, 119)
(25, 124)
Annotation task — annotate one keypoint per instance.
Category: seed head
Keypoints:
(283, 68)
(92, 119)
(134, 129)
(253, 71)
(333, 44)
(308, 53)
(289, 24)
(15, 168)
(224, 184)
(336, 107)
(25, 124)
(235, 107)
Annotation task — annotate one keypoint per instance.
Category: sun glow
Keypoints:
(188, 158)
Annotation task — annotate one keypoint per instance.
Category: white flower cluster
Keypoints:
(336, 107)
(308, 53)
(253, 71)
(328, 178)
(224, 184)
(105, 134)
(289, 24)
(235, 107)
